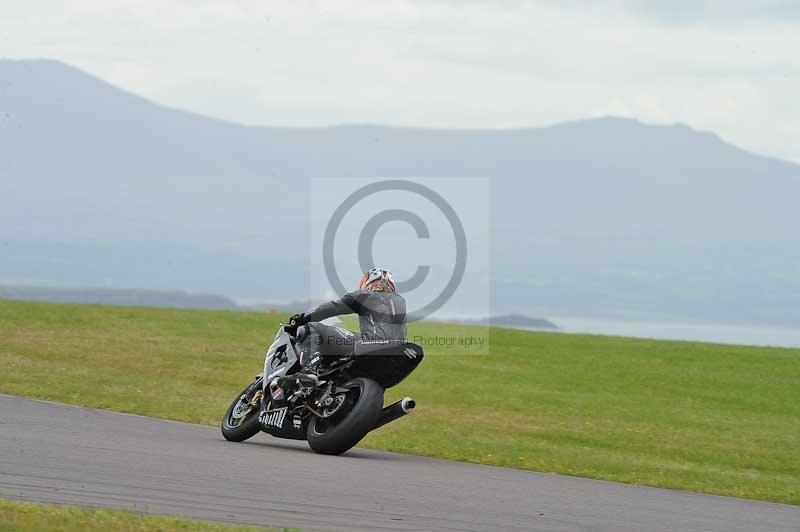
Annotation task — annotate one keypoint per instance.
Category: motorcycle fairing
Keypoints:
(281, 358)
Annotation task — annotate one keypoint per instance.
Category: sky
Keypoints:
(732, 67)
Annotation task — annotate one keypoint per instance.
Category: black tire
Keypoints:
(339, 435)
(248, 426)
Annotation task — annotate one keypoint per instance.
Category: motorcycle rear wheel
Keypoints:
(240, 425)
(340, 432)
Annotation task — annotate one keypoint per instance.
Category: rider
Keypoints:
(382, 317)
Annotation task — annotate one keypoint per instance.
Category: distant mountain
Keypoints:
(605, 217)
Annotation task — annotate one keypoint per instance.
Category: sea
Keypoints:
(701, 332)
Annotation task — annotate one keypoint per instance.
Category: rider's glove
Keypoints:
(298, 320)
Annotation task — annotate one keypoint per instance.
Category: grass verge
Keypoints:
(18, 516)
(701, 417)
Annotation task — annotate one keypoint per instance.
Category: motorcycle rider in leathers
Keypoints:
(382, 318)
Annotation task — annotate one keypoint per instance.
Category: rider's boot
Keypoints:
(309, 370)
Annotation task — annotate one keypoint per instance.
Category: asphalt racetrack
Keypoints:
(66, 454)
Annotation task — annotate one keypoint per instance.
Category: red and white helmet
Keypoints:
(377, 280)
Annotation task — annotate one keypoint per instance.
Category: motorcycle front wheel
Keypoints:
(241, 419)
(341, 431)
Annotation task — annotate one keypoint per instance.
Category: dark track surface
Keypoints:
(58, 453)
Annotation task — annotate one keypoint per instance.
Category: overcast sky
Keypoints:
(732, 67)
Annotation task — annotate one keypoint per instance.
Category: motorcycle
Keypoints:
(332, 410)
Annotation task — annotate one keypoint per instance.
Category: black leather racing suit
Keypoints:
(382, 317)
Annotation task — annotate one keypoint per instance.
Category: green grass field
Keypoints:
(701, 417)
(23, 516)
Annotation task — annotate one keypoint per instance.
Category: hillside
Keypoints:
(607, 217)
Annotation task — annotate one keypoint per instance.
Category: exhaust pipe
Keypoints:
(396, 410)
